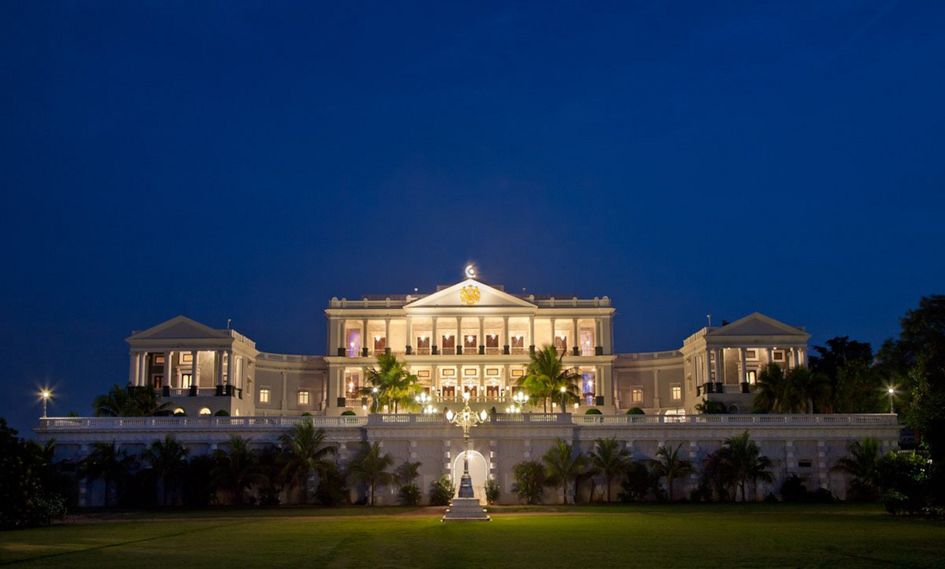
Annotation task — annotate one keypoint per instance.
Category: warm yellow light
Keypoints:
(563, 389)
(450, 415)
(891, 390)
(45, 394)
(465, 396)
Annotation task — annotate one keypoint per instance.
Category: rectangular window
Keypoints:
(751, 377)
(303, 397)
(777, 356)
(492, 340)
(470, 371)
(469, 342)
(423, 345)
(448, 372)
(186, 357)
(264, 395)
(157, 381)
(423, 374)
(158, 359)
(677, 392)
(353, 342)
(751, 355)
(561, 343)
(352, 385)
(186, 380)
(587, 342)
(636, 395)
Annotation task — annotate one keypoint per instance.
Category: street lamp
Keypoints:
(45, 395)
(891, 391)
(520, 399)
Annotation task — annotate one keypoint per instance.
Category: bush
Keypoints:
(409, 495)
(529, 481)
(639, 482)
(26, 477)
(348, 413)
(331, 490)
(593, 411)
(793, 489)
(441, 492)
(905, 480)
(493, 491)
(222, 413)
(635, 411)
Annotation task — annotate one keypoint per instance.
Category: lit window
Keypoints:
(677, 392)
(751, 355)
(264, 395)
(205, 411)
(159, 359)
(186, 357)
(186, 380)
(303, 397)
(751, 377)
(778, 356)
(636, 395)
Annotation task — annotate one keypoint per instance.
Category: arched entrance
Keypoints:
(478, 471)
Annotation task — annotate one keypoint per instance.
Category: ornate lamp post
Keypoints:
(45, 395)
(891, 391)
(466, 420)
(465, 506)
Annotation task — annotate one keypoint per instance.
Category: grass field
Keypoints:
(648, 536)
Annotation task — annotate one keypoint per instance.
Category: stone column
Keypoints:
(230, 367)
(743, 365)
(506, 341)
(597, 334)
(482, 338)
(218, 366)
(168, 368)
(132, 368)
(575, 342)
(195, 368)
(387, 334)
(364, 337)
(408, 334)
(770, 355)
(143, 374)
(435, 340)
(719, 368)
(531, 332)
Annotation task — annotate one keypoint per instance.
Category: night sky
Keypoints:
(252, 160)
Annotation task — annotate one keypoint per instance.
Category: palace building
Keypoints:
(470, 337)
(475, 339)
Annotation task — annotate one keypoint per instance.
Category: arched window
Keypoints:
(205, 412)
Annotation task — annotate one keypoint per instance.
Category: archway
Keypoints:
(478, 471)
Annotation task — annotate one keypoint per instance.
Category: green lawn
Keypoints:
(639, 536)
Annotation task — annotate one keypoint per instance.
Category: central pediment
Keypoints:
(470, 293)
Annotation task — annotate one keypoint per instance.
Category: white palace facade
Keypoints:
(468, 337)
(475, 338)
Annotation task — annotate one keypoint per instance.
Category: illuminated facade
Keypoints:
(470, 337)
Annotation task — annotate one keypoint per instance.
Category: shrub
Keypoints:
(409, 495)
(222, 413)
(493, 491)
(529, 481)
(905, 480)
(331, 490)
(306, 414)
(638, 483)
(793, 489)
(635, 411)
(593, 411)
(348, 413)
(27, 497)
(441, 492)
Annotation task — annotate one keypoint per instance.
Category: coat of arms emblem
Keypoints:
(469, 295)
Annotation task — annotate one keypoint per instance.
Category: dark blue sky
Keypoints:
(251, 160)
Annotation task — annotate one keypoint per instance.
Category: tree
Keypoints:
(668, 464)
(108, 463)
(389, 383)
(305, 454)
(769, 390)
(639, 482)
(563, 465)
(529, 481)
(608, 459)
(27, 496)
(746, 464)
(915, 362)
(406, 475)
(546, 375)
(236, 469)
(371, 468)
(862, 465)
(130, 401)
(167, 459)
(854, 384)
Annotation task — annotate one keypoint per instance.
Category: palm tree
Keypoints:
(390, 383)
(807, 389)
(609, 459)
(128, 401)
(746, 462)
(562, 465)
(670, 465)
(305, 454)
(108, 462)
(770, 389)
(167, 459)
(237, 468)
(863, 467)
(371, 468)
(546, 376)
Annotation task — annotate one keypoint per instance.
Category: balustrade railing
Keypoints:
(53, 424)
